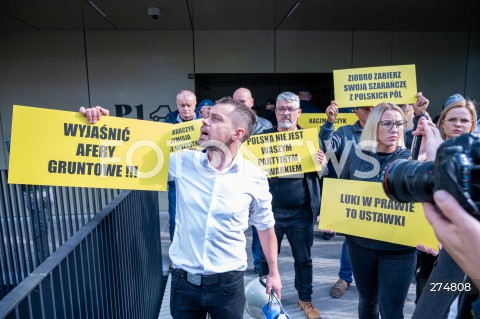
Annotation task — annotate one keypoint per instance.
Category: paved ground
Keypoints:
(325, 268)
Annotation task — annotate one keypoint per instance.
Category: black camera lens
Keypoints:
(409, 181)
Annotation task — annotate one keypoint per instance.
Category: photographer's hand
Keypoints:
(431, 139)
(458, 231)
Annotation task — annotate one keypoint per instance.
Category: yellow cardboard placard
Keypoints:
(362, 209)
(283, 153)
(316, 120)
(51, 147)
(184, 135)
(370, 86)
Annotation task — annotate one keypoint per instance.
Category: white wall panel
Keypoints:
(234, 51)
(312, 51)
(44, 69)
(136, 67)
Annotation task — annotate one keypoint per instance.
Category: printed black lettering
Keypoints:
(260, 139)
(281, 137)
(70, 129)
(367, 201)
(84, 168)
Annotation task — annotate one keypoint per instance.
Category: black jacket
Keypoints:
(172, 117)
(339, 138)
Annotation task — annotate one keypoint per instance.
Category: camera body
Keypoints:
(456, 170)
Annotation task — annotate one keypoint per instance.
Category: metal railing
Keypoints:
(111, 268)
(36, 220)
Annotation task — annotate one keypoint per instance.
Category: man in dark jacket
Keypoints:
(295, 205)
(245, 96)
(186, 102)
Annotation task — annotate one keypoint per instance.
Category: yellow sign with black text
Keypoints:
(371, 86)
(284, 153)
(314, 120)
(362, 209)
(59, 148)
(184, 135)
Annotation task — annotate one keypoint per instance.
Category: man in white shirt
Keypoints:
(218, 195)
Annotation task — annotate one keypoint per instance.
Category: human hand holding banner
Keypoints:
(51, 147)
(284, 153)
(362, 209)
(371, 86)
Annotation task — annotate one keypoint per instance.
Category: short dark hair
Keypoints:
(242, 115)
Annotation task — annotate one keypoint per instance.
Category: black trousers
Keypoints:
(225, 299)
(300, 237)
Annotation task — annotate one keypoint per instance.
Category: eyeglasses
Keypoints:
(388, 124)
(454, 120)
(282, 110)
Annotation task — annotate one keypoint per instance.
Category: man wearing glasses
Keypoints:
(295, 205)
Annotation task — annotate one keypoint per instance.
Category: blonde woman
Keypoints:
(383, 271)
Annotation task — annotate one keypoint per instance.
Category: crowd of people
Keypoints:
(211, 210)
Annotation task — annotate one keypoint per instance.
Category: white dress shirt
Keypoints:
(214, 208)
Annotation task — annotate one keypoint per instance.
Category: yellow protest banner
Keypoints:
(370, 86)
(51, 147)
(283, 153)
(184, 135)
(362, 209)
(314, 120)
